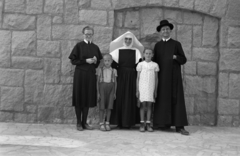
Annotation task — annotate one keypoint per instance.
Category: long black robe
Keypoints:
(125, 112)
(169, 108)
(84, 82)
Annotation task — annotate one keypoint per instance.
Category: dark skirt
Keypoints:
(125, 111)
(107, 95)
(84, 89)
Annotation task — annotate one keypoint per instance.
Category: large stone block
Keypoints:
(17, 6)
(194, 85)
(57, 95)
(67, 32)
(230, 59)
(228, 107)
(84, 4)
(119, 19)
(110, 18)
(205, 54)
(33, 86)
(57, 19)
(19, 22)
(234, 85)
(197, 36)
(187, 48)
(190, 68)
(67, 79)
(23, 43)
(201, 105)
(6, 116)
(172, 3)
(192, 18)
(66, 47)
(53, 6)
(186, 4)
(225, 121)
(103, 4)
(233, 10)
(1, 11)
(173, 16)
(32, 118)
(203, 5)
(34, 6)
(184, 34)
(205, 105)
(12, 99)
(132, 19)
(52, 69)
(49, 114)
(149, 20)
(194, 120)
(69, 114)
(122, 4)
(234, 37)
(209, 85)
(223, 85)
(11, 77)
(44, 27)
(48, 48)
(20, 117)
(208, 119)
(207, 68)
(27, 62)
(219, 8)
(71, 11)
(31, 108)
(102, 37)
(189, 105)
(210, 31)
(5, 48)
(93, 17)
(236, 121)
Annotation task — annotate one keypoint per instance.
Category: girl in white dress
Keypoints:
(147, 82)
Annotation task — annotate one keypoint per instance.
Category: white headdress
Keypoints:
(119, 43)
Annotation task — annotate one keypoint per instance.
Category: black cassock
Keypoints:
(169, 108)
(125, 112)
(84, 82)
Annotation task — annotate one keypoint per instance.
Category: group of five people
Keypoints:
(130, 77)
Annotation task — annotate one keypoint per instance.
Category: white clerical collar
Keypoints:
(166, 39)
(87, 41)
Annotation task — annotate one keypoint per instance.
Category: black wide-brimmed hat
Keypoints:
(164, 23)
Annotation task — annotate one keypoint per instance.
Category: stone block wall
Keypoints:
(37, 36)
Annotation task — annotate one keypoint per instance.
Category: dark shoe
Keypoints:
(182, 131)
(149, 128)
(108, 128)
(79, 127)
(102, 127)
(86, 126)
(142, 127)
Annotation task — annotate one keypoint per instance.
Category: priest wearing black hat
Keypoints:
(169, 109)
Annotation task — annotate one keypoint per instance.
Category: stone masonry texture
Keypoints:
(37, 36)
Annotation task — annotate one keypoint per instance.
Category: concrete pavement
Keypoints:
(18, 139)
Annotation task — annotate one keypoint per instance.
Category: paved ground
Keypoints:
(64, 140)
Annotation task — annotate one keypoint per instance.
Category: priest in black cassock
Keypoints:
(126, 52)
(169, 109)
(86, 56)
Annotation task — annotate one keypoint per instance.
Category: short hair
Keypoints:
(87, 28)
(107, 55)
(148, 49)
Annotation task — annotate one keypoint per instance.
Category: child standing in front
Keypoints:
(147, 82)
(106, 88)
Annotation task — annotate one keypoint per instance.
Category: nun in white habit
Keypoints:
(126, 51)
